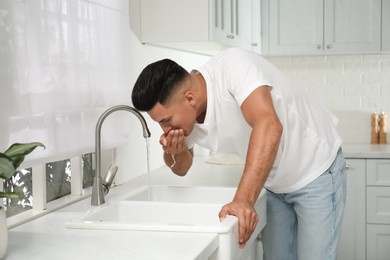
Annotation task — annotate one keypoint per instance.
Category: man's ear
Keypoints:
(190, 97)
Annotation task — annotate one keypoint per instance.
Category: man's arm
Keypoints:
(176, 153)
(260, 114)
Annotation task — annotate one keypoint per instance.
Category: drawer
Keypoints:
(378, 172)
(378, 241)
(378, 205)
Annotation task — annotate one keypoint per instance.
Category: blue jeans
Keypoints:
(306, 224)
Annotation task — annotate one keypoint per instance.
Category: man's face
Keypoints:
(177, 115)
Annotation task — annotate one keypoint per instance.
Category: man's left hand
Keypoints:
(247, 219)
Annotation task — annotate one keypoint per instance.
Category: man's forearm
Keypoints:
(260, 158)
(179, 163)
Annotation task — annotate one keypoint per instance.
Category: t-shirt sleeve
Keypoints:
(244, 74)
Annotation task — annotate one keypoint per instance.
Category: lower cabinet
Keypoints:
(378, 209)
(366, 225)
(378, 242)
(353, 237)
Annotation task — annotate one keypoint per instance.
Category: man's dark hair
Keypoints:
(156, 83)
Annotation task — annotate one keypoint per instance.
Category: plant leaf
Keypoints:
(18, 151)
(9, 195)
(7, 167)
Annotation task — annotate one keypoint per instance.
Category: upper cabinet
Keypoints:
(197, 25)
(268, 27)
(236, 23)
(305, 27)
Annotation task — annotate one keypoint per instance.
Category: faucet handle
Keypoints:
(109, 178)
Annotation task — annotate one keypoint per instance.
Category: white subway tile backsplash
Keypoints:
(342, 79)
(352, 85)
(308, 59)
(378, 104)
(368, 90)
(354, 126)
(344, 58)
(377, 57)
(375, 78)
(385, 89)
(362, 67)
(315, 81)
(385, 67)
(341, 102)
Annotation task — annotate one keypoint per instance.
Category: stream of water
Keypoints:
(148, 168)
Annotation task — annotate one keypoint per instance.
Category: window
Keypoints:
(58, 177)
(58, 183)
(21, 183)
(88, 172)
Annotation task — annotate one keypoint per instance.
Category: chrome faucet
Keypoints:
(101, 188)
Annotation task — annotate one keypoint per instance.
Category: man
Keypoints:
(240, 103)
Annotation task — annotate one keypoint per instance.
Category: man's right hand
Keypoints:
(176, 153)
(173, 142)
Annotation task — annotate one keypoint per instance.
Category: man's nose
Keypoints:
(166, 129)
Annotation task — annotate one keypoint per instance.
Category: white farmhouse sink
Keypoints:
(175, 209)
(156, 216)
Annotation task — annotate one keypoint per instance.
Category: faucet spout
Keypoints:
(97, 188)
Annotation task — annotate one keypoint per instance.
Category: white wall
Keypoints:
(352, 86)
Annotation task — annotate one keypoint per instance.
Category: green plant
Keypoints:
(11, 159)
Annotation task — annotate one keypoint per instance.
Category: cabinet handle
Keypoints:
(254, 44)
(319, 46)
(347, 167)
(329, 46)
(230, 36)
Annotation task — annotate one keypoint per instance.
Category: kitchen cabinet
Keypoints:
(353, 236)
(306, 27)
(386, 25)
(366, 225)
(197, 25)
(378, 242)
(378, 209)
(277, 27)
(236, 23)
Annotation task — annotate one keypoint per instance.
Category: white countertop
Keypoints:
(48, 238)
(369, 151)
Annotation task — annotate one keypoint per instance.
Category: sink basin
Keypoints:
(175, 209)
(156, 216)
(183, 194)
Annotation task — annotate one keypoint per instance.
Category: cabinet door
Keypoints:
(241, 24)
(352, 26)
(378, 172)
(378, 205)
(378, 242)
(166, 21)
(386, 25)
(220, 16)
(256, 26)
(295, 27)
(352, 242)
(233, 22)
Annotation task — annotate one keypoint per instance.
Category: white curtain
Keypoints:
(62, 63)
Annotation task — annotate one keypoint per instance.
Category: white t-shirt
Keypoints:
(309, 141)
